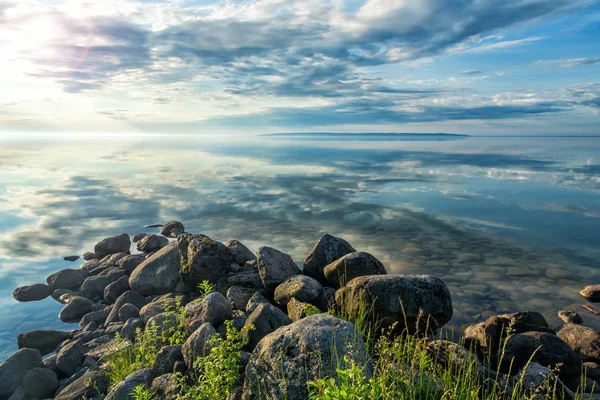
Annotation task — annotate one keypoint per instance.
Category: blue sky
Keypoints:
(464, 66)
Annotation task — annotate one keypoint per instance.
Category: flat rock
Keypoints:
(76, 308)
(274, 267)
(300, 287)
(45, 341)
(326, 250)
(112, 245)
(158, 274)
(36, 292)
(14, 369)
(351, 266)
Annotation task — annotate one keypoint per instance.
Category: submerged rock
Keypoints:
(327, 250)
(352, 266)
(274, 267)
(35, 292)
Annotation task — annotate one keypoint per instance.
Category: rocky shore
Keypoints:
(287, 316)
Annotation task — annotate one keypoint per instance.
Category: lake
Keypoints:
(508, 223)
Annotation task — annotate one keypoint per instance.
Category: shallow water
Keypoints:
(508, 223)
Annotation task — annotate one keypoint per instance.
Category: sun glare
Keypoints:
(40, 31)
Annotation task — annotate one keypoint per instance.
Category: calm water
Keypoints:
(508, 223)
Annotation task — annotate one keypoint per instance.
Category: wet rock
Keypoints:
(90, 384)
(327, 250)
(130, 263)
(422, 302)
(312, 348)
(197, 345)
(151, 243)
(35, 292)
(40, 383)
(300, 287)
(166, 359)
(239, 296)
(138, 236)
(45, 341)
(128, 297)
(543, 348)
(15, 367)
(165, 387)
(582, 339)
(203, 259)
(93, 287)
(87, 256)
(351, 266)
(70, 356)
(67, 279)
(241, 252)
(158, 274)
(115, 289)
(130, 328)
(570, 317)
(274, 267)
(128, 311)
(112, 245)
(76, 308)
(254, 301)
(124, 388)
(591, 293)
(214, 308)
(265, 318)
(172, 229)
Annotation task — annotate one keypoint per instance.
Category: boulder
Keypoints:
(88, 255)
(239, 296)
(172, 229)
(67, 279)
(254, 301)
(591, 293)
(327, 250)
(156, 307)
(112, 245)
(93, 287)
(63, 296)
(265, 318)
(128, 297)
(88, 385)
(97, 317)
(197, 345)
(327, 299)
(45, 341)
(76, 308)
(203, 259)
(71, 258)
(274, 267)
(584, 340)
(14, 369)
(130, 263)
(417, 303)
(90, 265)
(351, 266)
(241, 252)
(165, 323)
(40, 383)
(454, 357)
(138, 236)
(214, 308)
(284, 361)
(128, 311)
(130, 328)
(296, 310)
(166, 359)
(540, 347)
(165, 387)
(300, 287)
(123, 389)
(570, 317)
(36, 292)
(113, 259)
(151, 243)
(158, 274)
(115, 289)
(247, 279)
(70, 356)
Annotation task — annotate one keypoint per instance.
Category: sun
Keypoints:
(40, 31)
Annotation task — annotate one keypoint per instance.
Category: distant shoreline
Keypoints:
(372, 134)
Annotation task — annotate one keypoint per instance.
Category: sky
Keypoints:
(488, 67)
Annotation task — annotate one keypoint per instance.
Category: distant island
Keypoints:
(370, 136)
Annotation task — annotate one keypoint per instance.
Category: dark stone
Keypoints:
(300, 287)
(90, 384)
(67, 279)
(76, 308)
(40, 383)
(112, 245)
(130, 327)
(87, 256)
(45, 341)
(128, 311)
(138, 236)
(166, 359)
(14, 369)
(214, 308)
(151, 243)
(274, 267)
(165, 387)
(197, 345)
(71, 258)
(158, 274)
(116, 289)
(352, 266)
(97, 317)
(172, 229)
(128, 297)
(239, 296)
(36, 292)
(254, 301)
(241, 252)
(266, 318)
(327, 250)
(203, 259)
(130, 263)
(570, 317)
(124, 388)
(93, 287)
(70, 356)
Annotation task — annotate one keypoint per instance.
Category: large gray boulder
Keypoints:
(314, 347)
(45, 341)
(172, 229)
(36, 292)
(239, 296)
(300, 287)
(93, 287)
(327, 250)
(241, 252)
(122, 391)
(130, 263)
(351, 266)
(90, 384)
(14, 369)
(254, 302)
(584, 340)
(76, 308)
(197, 345)
(158, 274)
(265, 319)
(115, 289)
(274, 267)
(214, 308)
(203, 259)
(70, 356)
(128, 297)
(166, 359)
(151, 243)
(67, 279)
(40, 383)
(417, 303)
(112, 245)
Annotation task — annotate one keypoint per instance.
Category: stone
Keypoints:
(151, 243)
(247, 279)
(113, 259)
(239, 296)
(327, 299)
(166, 358)
(254, 301)
(36, 292)
(88, 255)
(300, 287)
(165, 387)
(296, 310)
(265, 318)
(156, 307)
(158, 274)
(284, 361)
(543, 348)
(351, 266)
(76, 308)
(130, 328)
(415, 302)
(172, 229)
(584, 340)
(198, 344)
(63, 296)
(454, 357)
(93, 287)
(123, 389)
(326, 250)
(70, 356)
(116, 289)
(165, 323)
(274, 267)
(112, 245)
(138, 236)
(203, 259)
(91, 264)
(71, 258)
(67, 279)
(537, 379)
(591, 293)
(45, 341)
(130, 263)
(214, 308)
(241, 252)
(14, 369)
(97, 317)
(128, 311)
(570, 317)
(91, 383)
(128, 297)
(40, 383)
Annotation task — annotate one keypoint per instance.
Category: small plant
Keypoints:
(352, 385)
(176, 334)
(310, 309)
(141, 393)
(205, 288)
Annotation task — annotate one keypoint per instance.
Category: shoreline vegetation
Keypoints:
(188, 317)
